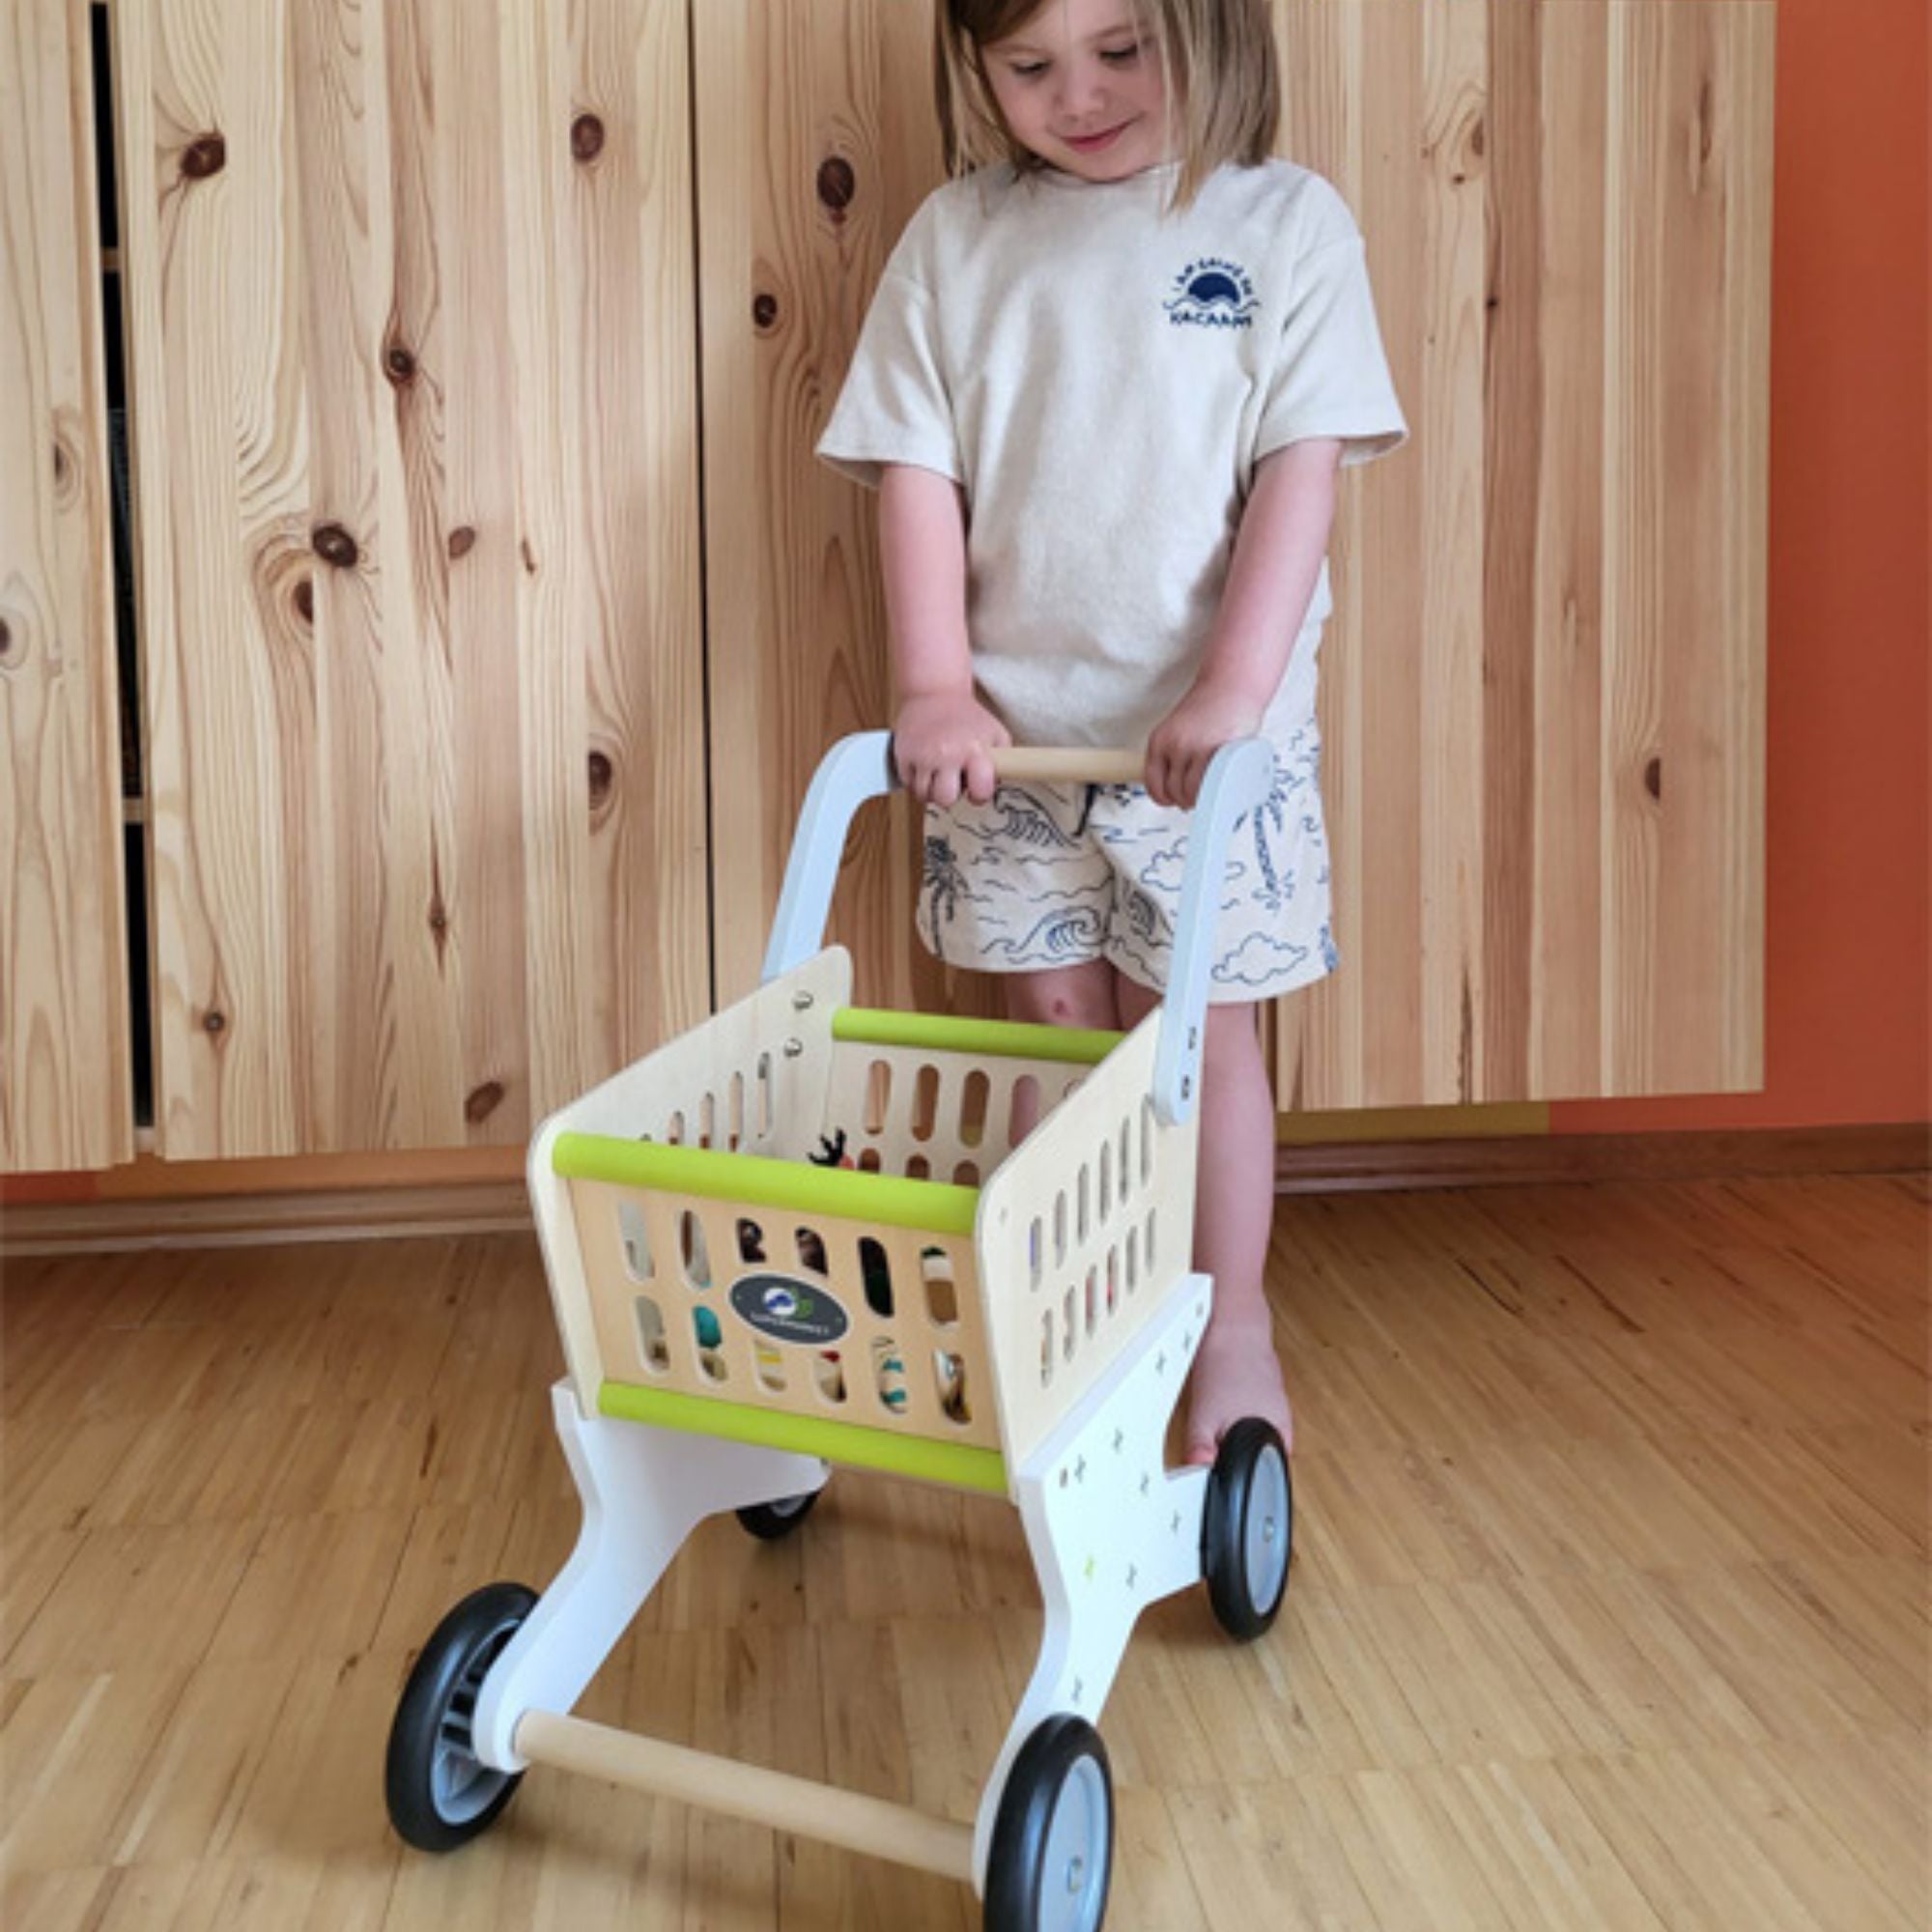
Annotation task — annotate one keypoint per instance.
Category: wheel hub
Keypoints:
(1076, 1845)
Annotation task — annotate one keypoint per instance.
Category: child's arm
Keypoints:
(1277, 560)
(941, 734)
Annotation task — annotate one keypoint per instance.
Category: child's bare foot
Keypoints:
(1235, 1374)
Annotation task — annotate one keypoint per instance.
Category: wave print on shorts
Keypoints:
(1072, 932)
(1024, 819)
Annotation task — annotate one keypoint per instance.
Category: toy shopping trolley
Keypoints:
(805, 1234)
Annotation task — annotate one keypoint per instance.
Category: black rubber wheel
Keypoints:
(768, 1521)
(439, 1795)
(1052, 1855)
(1247, 1530)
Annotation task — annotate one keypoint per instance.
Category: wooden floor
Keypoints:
(1610, 1606)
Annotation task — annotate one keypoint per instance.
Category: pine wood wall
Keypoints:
(494, 609)
(412, 324)
(64, 1095)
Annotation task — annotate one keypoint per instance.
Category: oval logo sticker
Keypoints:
(787, 1309)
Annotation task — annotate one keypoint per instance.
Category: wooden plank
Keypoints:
(1513, 302)
(414, 340)
(1566, 992)
(1533, 1160)
(268, 1219)
(1320, 1038)
(1457, 141)
(473, 556)
(66, 1093)
(1715, 269)
(1546, 778)
(1353, 111)
(1689, 95)
(815, 143)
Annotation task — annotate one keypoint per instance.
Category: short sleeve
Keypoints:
(895, 407)
(1331, 376)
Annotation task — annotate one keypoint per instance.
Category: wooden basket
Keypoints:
(930, 1306)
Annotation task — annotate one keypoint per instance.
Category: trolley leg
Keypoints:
(1111, 1528)
(644, 1491)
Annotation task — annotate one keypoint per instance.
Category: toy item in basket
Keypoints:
(876, 1304)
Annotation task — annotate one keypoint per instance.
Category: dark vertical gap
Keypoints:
(108, 212)
(126, 653)
(703, 526)
(140, 1044)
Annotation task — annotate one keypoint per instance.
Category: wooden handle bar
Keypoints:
(1068, 764)
(847, 1818)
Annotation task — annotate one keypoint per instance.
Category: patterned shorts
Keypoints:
(1051, 875)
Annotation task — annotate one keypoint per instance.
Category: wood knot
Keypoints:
(602, 771)
(7, 642)
(1653, 779)
(587, 137)
(483, 1102)
(302, 597)
(205, 155)
(334, 545)
(213, 1021)
(399, 364)
(837, 184)
(764, 311)
(461, 541)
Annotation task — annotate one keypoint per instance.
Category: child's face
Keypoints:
(1081, 87)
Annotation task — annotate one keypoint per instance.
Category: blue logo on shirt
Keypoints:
(1213, 294)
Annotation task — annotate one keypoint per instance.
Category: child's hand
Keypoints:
(1211, 715)
(943, 744)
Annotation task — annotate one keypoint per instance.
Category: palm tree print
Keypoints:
(1292, 773)
(941, 882)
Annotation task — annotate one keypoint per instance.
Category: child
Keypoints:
(1103, 389)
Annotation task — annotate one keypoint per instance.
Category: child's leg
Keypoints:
(1072, 996)
(1236, 1371)
(1081, 995)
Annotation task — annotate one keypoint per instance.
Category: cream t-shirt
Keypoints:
(1102, 377)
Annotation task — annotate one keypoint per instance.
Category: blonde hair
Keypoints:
(1217, 58)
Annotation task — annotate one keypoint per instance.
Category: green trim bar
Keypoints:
(945, 1033)
(931, 1206)
(958, 1464)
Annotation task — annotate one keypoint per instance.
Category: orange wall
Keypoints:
(1849, 856)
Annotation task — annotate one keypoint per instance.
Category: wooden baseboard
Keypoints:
(347, 1214)
(1549, 1160)
(221, 1221)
